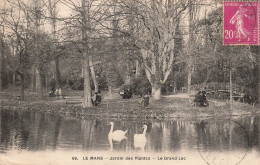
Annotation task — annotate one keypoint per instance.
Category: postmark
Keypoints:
(241, 23)
(222, 149)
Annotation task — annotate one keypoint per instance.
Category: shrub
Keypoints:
(139, 86)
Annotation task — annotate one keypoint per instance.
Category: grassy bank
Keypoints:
(116, 107)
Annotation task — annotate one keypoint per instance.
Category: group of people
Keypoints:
(54, 91)
(249, 99)
(200, 99)
(126, 93)
(143, 100)
(95, 99)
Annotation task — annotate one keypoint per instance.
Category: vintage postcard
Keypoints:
(129, 82)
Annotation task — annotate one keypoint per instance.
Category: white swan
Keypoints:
(117, 135)
(140, 139)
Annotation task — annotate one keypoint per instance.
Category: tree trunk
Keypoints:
(21, 74)
(190, 44)
(137, 69)
(205, 80)
(38, 82)
(57, 76)
(14, 75)
(93, 74)
(33, 82)
(86, 69)
(189, 79)
(230, 88)
(46, 83)
(52, 11)
(156, 92)
(22, 86)
(174, 87)
(128, 77)
(37, 6)
(57, 73)
(1, 61)
(87, 89)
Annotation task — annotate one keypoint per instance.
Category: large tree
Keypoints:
(154, 33)
(83, 21)
(52, 15)
(16, 51)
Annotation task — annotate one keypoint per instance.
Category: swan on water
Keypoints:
(140, 139)
(117, 135)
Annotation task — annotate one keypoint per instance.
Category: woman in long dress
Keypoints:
(238, 20)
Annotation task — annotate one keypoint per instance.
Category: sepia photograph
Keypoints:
(129, 82)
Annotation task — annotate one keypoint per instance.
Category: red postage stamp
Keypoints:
(241, 25)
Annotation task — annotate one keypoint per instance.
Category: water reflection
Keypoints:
(39, 131)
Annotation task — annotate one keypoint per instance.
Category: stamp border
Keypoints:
(257, 19)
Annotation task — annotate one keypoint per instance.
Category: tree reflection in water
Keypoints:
(41, 131)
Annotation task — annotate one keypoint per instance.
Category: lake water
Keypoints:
(42, 138)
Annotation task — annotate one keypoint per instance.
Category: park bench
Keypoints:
(61, 96)
(238, 98)
(73, 99)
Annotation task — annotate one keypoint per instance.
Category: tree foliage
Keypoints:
(109, 43)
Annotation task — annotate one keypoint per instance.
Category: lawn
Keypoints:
(115, 106)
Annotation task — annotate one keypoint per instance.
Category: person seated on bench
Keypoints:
(96, 98)
(146, 100)
(53, 88)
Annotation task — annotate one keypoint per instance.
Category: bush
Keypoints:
(167, 88)
(139, 86)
